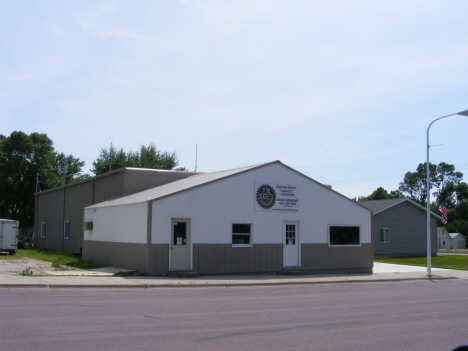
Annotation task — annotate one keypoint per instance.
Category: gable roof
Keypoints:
(141, 171)
(177, 186)
(196, 181)
(378, 206)
(454, 235)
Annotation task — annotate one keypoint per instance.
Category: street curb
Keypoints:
(25, 286)
(208, 285)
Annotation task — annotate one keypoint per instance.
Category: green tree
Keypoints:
(24, 159)
(381, 194)
(446, 175)
(414, 183)
(110, 159)
(147, 157)
(440, 176)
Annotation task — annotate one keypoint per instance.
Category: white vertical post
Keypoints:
(428, 224)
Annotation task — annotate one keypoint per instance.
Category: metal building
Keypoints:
(261, 218)
(58, 219)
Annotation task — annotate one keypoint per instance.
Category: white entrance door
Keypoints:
(291, 244)
(180, 244)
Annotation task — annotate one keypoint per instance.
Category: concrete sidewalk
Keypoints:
(43, 276)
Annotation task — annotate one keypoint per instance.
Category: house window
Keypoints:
(66, 230)
(344, 236)
(384, 235)
(43, 230)
(241, 235)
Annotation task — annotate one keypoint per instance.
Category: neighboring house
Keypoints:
(450, 241)
(261, 218)
(58, 218)
(399, 227)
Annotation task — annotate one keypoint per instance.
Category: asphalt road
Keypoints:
(420, 315)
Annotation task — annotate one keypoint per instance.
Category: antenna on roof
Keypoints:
(196, 157)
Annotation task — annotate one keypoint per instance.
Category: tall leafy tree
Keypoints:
(27, 161)
(147, 157)
(414, 183)
(446, 176)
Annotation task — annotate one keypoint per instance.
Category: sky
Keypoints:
(341, 91)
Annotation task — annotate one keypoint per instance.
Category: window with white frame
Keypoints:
(344, 236)
(384, 235)
(241, 235)
(66, 230)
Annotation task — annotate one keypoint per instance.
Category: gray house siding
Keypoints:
(407, 231)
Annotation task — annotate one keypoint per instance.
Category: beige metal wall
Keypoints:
(110, 187)
(157, 259)
(57, 205)
(140, 180)
(123, 255)
(49, 209)
(318, 258)
(145, 259)
(75, 199)
(223, 258)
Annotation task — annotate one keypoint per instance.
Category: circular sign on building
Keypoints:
(266, 196)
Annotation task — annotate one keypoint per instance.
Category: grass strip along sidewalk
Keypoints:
(445, 261)
(57, 258)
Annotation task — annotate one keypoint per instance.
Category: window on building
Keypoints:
(344, 235)
(43, 230)
(66, 230)
(384, 235)
(241, 235)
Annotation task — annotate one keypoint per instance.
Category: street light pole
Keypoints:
(461, 113)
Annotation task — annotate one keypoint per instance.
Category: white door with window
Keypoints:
(180, 245)
(291, 244)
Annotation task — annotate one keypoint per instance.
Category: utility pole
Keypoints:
(63, 170)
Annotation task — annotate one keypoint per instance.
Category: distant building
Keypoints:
(450, 241)
(399, 227)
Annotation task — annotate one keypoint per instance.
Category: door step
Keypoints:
(182, 274)
(292, 271)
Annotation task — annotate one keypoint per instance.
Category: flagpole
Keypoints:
(428, 191)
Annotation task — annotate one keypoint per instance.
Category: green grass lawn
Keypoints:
(57, 258)
(446, 261)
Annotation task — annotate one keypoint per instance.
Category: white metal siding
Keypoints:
(214, 207)
(123, 224)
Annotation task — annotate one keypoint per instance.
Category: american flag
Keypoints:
(443, 210)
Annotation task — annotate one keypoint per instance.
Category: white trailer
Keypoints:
(8, 235)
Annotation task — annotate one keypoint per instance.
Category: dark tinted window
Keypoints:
(344, 235)
(241, 228)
